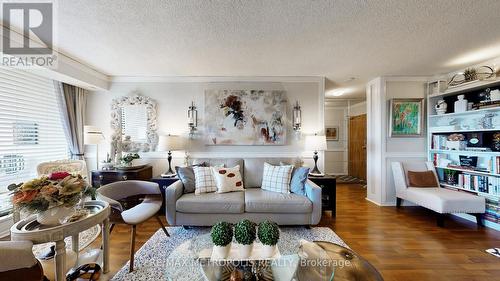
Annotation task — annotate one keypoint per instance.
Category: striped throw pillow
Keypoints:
(276, 178)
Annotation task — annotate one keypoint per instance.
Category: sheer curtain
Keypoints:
(73, 101)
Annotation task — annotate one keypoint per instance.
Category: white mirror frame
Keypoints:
(116, 124)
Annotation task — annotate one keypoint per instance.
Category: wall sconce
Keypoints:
(192, 119)
(297, 117)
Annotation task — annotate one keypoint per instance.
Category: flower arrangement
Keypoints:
(57, 189)
(127, 159)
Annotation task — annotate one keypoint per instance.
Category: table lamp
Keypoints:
(170, 143)
(315, 143)
(93, 135)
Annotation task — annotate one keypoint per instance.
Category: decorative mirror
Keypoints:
(133, 121)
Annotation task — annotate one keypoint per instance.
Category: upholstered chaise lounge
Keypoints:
(254, 203)
(440, 200)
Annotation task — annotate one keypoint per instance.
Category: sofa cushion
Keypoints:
(262, 201)
(221, 162)
(204, 180)
(298, 181)
(254, 168)
(212, 203)
(443, 200)
(227, 179)
(277, 178)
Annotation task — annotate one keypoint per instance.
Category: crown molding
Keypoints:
(213, 79)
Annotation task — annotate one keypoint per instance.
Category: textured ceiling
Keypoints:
(336, 39)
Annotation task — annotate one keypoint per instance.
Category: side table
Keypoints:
(163, 183)
(328, 186)
(29, 229)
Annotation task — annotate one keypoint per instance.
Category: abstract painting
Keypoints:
(245, 117)
(406, 117)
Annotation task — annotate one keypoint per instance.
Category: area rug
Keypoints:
(171, 258)
(350, 180)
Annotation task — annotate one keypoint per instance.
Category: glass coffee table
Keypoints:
(191, 261)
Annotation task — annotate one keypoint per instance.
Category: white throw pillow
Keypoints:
(204, 181)
(277, 178)
(228, 179)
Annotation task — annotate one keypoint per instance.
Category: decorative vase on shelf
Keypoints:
(54, 215)
(441, 107)
(460, 104)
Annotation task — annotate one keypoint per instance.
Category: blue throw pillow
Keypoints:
(299, 178)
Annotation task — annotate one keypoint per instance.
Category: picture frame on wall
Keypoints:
(332, 133)
(406, 118)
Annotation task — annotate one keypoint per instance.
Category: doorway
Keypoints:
(357, 147)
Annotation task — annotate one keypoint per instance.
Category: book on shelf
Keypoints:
(484, 184)
(495, 165)
(439, 142)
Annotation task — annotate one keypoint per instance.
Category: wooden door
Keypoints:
(357, 146)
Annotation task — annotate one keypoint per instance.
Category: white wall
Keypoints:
(357, 109)
(382, 149)
(173, 99)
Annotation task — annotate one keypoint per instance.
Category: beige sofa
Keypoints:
(254, 203)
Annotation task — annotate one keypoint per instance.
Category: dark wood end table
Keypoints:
(328, 186)
(163, 183)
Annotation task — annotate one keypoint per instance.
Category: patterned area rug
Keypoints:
(350, 179)
(172, 258)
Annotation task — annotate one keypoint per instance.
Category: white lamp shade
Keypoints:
(315, 143)
(92, 135)
(170, 143)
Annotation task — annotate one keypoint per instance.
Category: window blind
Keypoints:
(31, 129)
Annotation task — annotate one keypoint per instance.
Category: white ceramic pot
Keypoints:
(221, 252)
(245, 251)
(268, 251)
(54, 215)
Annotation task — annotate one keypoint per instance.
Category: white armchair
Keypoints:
(440, 200)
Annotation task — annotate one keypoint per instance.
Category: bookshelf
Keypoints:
(470, 163)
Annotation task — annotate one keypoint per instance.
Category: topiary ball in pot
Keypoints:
(222, 235)
(269, 234)
(245, 234)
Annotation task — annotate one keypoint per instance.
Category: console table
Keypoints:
(328, 186)
(102, 177)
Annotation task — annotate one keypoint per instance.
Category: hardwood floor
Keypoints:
(403, 244)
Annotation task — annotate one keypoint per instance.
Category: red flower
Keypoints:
(58, 175)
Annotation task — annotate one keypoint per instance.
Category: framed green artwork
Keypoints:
(406, 118)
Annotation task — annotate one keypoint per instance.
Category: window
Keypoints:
(31, 130)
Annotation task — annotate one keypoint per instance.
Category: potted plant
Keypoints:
(244, 233)
(269, 234)
(450, 176)
(222, 235)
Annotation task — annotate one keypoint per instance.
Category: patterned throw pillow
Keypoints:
(228, 179)
(204, 180)
(276, 178)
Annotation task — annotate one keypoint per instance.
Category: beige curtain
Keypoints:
(72, 102)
